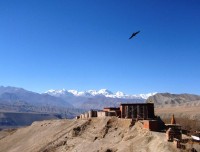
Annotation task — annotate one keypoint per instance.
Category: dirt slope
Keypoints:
(95, 135)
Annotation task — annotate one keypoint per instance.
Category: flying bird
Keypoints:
(134, 34)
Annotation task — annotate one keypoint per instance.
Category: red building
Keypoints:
(151, 125)
(137, 110)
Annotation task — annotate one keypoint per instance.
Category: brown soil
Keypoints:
(94, 135)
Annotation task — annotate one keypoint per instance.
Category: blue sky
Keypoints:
(84, 45)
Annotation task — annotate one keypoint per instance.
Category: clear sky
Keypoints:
(83, 44)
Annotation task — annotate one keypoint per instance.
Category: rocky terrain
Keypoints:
(93, 135)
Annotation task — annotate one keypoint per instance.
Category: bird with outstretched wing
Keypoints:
(134, 34)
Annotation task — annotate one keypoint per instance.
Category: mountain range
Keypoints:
(57, 101)
(13, 94)
(93, 93)
(15, 99)
(21, 100)
(70, 103)
(96, 99)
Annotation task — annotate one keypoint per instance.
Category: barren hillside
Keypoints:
(94, 135)
(185, 107)
(171, 100)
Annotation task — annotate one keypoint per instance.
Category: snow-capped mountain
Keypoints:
(60, 100)
(93, 93)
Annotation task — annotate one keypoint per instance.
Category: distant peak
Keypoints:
(93, 93)
(104, 91)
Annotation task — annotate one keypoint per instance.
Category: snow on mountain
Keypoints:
(145, 96)
(105, 92)
(93, 93)
(60, 92)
